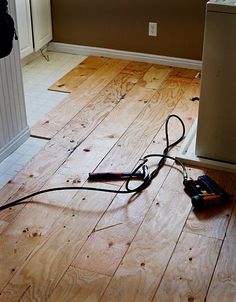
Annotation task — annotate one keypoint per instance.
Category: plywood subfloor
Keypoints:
(94, 246)
(78, 74)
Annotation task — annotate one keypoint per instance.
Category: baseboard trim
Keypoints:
(26, 60)
(128, 55)
(13, 144)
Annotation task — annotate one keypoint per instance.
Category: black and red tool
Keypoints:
(204, 192)
(115, 175)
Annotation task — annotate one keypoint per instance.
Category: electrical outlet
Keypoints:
(152, 29)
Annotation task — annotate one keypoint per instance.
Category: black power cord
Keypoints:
(147, 179)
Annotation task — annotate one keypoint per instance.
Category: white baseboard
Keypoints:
(16, 142)
(26, 60)
(128, 55)
(34, 55)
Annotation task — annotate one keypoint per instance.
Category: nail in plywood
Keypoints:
(196, 256)
(73, 79)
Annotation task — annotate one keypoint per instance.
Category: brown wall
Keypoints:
(123, 25)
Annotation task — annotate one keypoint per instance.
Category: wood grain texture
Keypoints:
(144, 264)
(45, 267)
(74, 78)
(97, 109)
(3, 225)
(57, 118)
(106, 135)
(94, 246)
(35, 174)
(125, 154)
(28, 230)
(223, 285)
(80, 286)
(196, 256)
(40, 169)
(105, 131)
(79, 156)
(108, 245)
(182, 74)
(128, 77)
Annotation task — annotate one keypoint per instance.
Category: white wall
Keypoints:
(13, 123)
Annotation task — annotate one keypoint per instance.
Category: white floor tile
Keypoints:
(38, 76)
(4, 178)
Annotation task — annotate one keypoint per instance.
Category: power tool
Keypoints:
(115, 175)
(204, 192)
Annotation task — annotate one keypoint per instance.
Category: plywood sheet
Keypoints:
(74, 78)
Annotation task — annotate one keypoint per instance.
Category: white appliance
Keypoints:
(216, 129)
(212, 140)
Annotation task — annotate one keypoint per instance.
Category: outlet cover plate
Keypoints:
(152, 29)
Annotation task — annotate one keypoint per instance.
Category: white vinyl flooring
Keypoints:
(38, 75)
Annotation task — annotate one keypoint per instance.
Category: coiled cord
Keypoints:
(148, 177)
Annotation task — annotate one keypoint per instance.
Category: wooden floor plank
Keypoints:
(105, 130)
(106, 135)
(73, 79)
(34, 175)
(79, 286)
(142, 267)
(190, 269)
(119, 213)
(24, 234)
(223, 285)
(92, 246)
(57, 118)
(137, 66)
(184, 74)
(141, 133)
(186, 109)
(126, 153)
(45, 267)
(3, 225)
(9, 189)
(79, 159)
